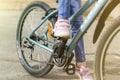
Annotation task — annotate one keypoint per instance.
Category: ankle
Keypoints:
(81, 65)
(63, 20)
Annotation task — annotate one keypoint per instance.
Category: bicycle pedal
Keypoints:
(70, 70)
(60, 38)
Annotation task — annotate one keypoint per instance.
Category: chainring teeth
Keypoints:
(58, 55)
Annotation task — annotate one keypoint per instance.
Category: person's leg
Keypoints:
(64, 9)
(62, 26)
(79, 50)
(82, 70)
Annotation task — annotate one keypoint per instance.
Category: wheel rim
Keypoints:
(40, 57)
(109, 66)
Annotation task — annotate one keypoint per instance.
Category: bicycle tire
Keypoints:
(103, 45)
(37, 72)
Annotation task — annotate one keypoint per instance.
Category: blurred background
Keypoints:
(10, 67)
(20, 4)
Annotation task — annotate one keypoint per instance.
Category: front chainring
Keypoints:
(59, 57)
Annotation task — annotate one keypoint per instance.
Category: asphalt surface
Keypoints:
(10, 67)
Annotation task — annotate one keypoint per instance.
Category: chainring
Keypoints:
(59, 57)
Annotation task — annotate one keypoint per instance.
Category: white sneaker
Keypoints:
(84, 73)
(62, 28)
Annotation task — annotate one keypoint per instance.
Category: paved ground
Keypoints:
(10, 67)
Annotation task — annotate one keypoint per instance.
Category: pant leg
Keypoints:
(79, 50)
(64, 9)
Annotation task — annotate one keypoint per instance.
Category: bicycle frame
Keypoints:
(85, 25)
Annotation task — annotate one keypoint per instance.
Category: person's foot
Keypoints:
(62, 28)
(84, 73)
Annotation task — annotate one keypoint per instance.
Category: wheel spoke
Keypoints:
(34, 59)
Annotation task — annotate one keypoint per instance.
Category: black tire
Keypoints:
(104, 64)
(35, 67)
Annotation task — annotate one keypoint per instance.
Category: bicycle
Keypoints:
(38, 42)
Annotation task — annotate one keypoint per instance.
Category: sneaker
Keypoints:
(84, 73)
(62, 28)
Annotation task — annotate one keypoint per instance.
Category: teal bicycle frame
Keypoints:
(85, 25)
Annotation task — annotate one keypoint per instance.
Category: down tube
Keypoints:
(86, 24)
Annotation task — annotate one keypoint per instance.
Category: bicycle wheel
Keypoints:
(34, 59)
(107, 66)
